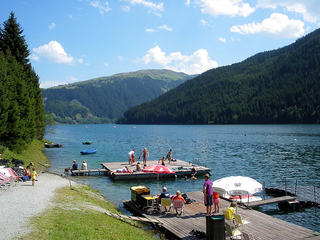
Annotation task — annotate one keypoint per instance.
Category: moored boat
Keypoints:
(88, 151)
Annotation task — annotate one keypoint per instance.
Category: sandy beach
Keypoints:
(21, 201)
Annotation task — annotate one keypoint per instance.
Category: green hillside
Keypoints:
(280, 86)
(104, 99)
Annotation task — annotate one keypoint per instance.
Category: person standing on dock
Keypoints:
(131, 156)
(208, 194)
(145, 155)
(169, 155)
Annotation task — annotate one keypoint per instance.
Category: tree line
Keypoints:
(21, 105)
(279, 86)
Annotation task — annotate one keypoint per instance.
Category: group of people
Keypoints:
(84, 165)
(30, 174)
(210, 197)
(145, 155)
(177, 197)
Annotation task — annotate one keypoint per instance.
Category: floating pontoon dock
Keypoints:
(180, 167)
(260, 226)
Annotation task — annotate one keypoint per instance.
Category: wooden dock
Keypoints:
(270, 201)
(308, 196)
(261, 226)
(180, 167)
(89, 172)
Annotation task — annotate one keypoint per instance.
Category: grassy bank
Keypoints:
(78, 213)
(33, 153)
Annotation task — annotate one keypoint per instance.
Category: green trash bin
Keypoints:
(215, 229)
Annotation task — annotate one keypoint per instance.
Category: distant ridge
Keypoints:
(279, 86)
(104, 99)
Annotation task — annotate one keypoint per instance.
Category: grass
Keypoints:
(33, 153)
(77, 213)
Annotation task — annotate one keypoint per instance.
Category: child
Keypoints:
(216, 202)
(33, 176)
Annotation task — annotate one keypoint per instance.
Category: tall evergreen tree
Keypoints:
(13, 41)
(21, 106)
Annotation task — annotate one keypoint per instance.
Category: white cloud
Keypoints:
(120, 58)
(277, 24)
(34, 57)
(187, 2)
(155, 7)
(195, 63)
(165, 27)
(54, 52)
(126, 8)
(225, 7)
(222, 39)
(80, 60)
(70, 16)
(106, 64)
(309, 9)
(52, 26)
(204, 22)
(48, 84)
(150, 30)
(102, 7)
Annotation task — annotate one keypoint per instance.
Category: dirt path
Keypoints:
(20, 202)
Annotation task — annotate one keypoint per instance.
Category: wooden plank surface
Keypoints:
(270, 201)
(261, 225)
(90, 170)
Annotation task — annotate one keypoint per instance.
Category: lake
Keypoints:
(267, 153)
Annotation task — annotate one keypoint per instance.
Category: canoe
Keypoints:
(87, 143)
(88, 151)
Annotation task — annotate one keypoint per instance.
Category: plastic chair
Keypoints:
(165, 202)
(241, 221)
(233, 231)
(178, 204)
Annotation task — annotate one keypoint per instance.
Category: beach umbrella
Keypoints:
(238, 185)
(159, 169)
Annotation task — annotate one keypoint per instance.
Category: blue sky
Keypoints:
(76, 40)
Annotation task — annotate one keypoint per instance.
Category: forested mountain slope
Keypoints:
(280, 86)
(105, 99)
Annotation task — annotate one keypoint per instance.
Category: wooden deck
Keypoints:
(270, 201)
(89, 171)
(307, 195)
(261, 226)
(181, 168)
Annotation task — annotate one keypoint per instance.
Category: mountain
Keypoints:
(279, 86)
(104, 99)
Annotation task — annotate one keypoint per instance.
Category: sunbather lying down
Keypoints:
(125, 169)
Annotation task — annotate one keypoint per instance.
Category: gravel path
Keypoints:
(22, 201)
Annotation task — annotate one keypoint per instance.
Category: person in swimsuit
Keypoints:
(145, 155)
(169, 155)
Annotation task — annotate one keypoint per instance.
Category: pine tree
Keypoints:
(12, 40)
(4, 100)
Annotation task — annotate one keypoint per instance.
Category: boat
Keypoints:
(238, 188)
(88, 151)
(87, 143)
(53, 145)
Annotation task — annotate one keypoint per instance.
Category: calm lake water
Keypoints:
(267, 153)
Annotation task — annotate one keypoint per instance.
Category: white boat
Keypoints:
(238, 188)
